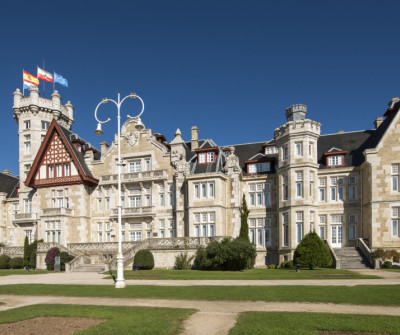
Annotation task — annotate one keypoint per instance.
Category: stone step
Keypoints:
(90, 268)
(351, 258)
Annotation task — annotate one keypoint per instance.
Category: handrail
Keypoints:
(366, 251)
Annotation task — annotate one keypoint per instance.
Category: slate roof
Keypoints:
(8, 185)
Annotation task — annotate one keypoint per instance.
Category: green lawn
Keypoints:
(256, 274)
(363, 294)
(279, 323)
(122, 320)
(8, 272)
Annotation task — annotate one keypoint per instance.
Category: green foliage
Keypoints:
(65, 257)
(244, 225)
(2, 245)
(144, 259)
(26, 244)
(16, 263)
(50, 257)
(227, 255)
(289, 265)
(385, 254)
(32, 261)
(4, 262)
(283, 264)
(271, 266)
(312, 252)
(386, 265)
(183, 261)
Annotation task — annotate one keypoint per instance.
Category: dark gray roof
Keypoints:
(8, 185)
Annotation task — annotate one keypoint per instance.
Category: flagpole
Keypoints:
(44, 84)
(23, 83)
(54, 82)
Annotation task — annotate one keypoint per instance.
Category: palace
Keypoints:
(179, 194)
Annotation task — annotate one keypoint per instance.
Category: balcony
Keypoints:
(24, 218)
(134, 176)
(57, 211)
(134, 212)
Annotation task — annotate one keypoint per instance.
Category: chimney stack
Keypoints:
(195, 138)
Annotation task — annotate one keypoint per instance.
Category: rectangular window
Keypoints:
(50, 171)
(285, 153)
(333, 193)
(27, 205)
(135, 201)
(352, 192)
(204, 190)
(211, 190)
(299, 232)
(267, 198)
(107, 203)
(322, 232)
(99, 204)
(147, 165)
(197, 191)
(335, 160)
(67, 170)
(135, 166)
(285, 187)
(299, 148)
(202, 158)
(352, 232)
(395, 177)
(285, 235)
(341, 193)
(197, 231)
(27, 144)
(45, 125)
(352, 218)
(395, 221)
(59, 170)
(352, 180)
(299, 189)
(100, 237)
(210, 157)
(27, 168)
(310, 148)
(322, 194)
(27, 124)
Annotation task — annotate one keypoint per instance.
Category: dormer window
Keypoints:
(334, 157)
(271, 150)
(205, 156)
(335, 161)
(253, 168)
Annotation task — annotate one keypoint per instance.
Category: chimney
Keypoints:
(378, 122)
(195, 138)
(296, 112)
(340, 131)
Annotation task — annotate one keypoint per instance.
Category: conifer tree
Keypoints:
(25, 261)
(244, 226)
(312, 252)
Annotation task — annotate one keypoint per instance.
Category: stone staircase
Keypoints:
(90, 268)
(351, 258)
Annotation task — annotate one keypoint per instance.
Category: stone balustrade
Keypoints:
(56, 211)
(24, 217)
(134, 211)
(135, 176)
(12, 251)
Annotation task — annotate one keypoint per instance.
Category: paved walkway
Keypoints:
(91, 278)
(212, 317)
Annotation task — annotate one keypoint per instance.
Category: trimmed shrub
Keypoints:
(271, 266)
(386, 265)
(144, 259)
(4, 262)
(227, 255)
(244, 225)
(16, 263)
(183, 261)
(283, 264)
(26, 255)
(50, 257)
(289, 265)
(312, 252)
(32, 261)
(65, 257)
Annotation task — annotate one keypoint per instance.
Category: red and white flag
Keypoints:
(44, 75)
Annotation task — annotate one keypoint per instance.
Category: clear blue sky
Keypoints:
(229, 67)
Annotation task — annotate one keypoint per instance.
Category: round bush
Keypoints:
(144, 259)
(16, 263)
(65, 257)
(312, 252)
(386, 265)
(283, 264)
(289, 265)
(4, 262)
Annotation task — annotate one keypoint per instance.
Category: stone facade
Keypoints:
(341, 185)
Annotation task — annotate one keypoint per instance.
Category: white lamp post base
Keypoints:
(120, 282)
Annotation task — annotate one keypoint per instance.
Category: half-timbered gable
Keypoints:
(60, 160)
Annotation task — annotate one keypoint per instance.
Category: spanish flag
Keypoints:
(30, 78)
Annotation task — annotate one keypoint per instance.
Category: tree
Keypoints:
(312, 252)
(244, 225)
(25, 261)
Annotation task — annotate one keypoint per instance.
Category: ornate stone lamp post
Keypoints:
(120, 282)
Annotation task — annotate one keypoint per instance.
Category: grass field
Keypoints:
(252, 274)
(359, 295)
(279, 323)
(8, 272)
(122, 320)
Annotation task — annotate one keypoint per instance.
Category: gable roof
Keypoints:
(77, 157)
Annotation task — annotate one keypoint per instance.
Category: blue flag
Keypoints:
(60, 80)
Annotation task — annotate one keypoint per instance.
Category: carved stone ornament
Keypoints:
(179, 163)
(132, 137)
(232, 165)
